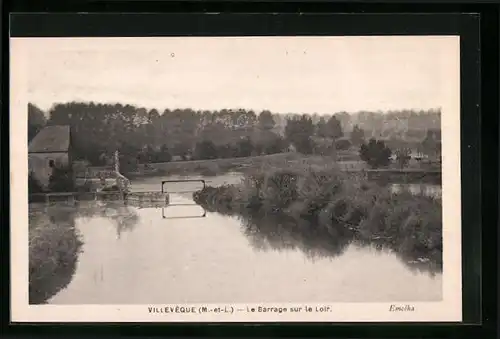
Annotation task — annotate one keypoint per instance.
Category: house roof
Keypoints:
(51, 139)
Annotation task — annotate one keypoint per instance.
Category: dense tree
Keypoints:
(345, 119)
(36, 120)
(357, 135)
(243, 119)
(61, 179)
(324, 146)
(266, 120)
(141, 134)
(375, 153)
(205, 150)
(431, 145)
(298, 132)
(245, 147)
(164, 155)
(321, 128)
(330, 128)
(34, 185)
(277, 145)
(147, 154)
(403, 157)
(153, 116)
(128, 157)
(342, 144)
(333, 128)
(227, 151)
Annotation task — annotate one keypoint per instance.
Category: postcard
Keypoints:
(236, 179)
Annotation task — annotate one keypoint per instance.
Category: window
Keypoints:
(51, 163)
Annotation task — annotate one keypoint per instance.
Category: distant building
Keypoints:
(50, 148)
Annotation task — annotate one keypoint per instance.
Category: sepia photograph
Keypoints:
(236, 178)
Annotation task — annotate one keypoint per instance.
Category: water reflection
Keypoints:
(201, 212)
(279, 233)
(123, 216)
(185, 261)
(54, 246)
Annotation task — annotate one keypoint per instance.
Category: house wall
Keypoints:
(38, 163)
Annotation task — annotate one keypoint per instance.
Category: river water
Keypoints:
(176, 255)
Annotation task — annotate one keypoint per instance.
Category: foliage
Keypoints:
(330, 204)
(99, 130)
(276, 145)
(112, 188)
(334, 128)
(298, 132)
(375, 153)
(34, 185)
(357, 135)
(265, 120)
(36, 121)
(342, 144)
(330, 128)
(403, 157)
(128, 157)
(431, 145)
(205, 150)
(164, 155)
(61, 179)
(320, 129)
(244, 147)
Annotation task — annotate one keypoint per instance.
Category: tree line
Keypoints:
(143, 135)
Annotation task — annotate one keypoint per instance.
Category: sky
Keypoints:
(321, 75)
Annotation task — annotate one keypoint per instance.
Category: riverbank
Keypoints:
(54, 246)
(215, 167)
(332, 202)
(342, 161)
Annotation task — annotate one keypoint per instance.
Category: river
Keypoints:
(176, 255)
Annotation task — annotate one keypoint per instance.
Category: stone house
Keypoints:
(50, 148)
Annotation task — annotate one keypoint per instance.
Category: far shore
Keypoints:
(345, 161)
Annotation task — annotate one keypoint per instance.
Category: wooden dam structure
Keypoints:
(161, 197)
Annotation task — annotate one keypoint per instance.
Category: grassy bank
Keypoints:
(54, 245)
(328, 202)
(221, 166)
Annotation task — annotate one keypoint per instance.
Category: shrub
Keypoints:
(34, 185)
(279, 189)
(210, 169)
(343, 144)
(164, 155)
(113, 188)
(244, 147)
(205, 150)
(376, 154)
(61, 180)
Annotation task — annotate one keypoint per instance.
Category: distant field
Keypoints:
(218, 166)
(345, 160)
